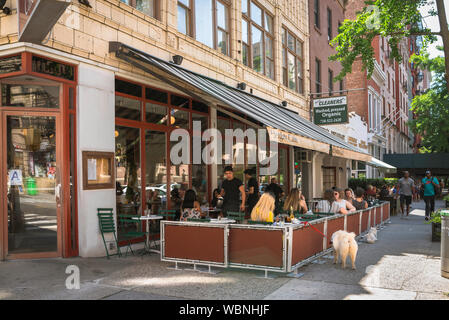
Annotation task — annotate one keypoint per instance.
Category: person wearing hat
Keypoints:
(430, 185)
(252, 188)
(231, 189)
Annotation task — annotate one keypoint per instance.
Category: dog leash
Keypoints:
(307, 223)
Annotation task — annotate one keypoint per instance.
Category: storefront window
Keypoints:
(30, 95)
(128, 177)
(156, 171)
(155, 113)
(127, 108)
(179, 118)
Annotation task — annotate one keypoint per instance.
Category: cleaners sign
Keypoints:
(330, 110)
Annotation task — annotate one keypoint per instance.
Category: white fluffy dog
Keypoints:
(371, 237)
(344, 243)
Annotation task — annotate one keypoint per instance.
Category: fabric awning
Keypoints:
(381, 165)
(282, 121)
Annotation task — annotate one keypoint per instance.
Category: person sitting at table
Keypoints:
(190, 207)
(156, 202)
(176, 201)
(325, 205)
(263, 207)
(349, 195)
(359, 202)
(295, 201)
(343, 206)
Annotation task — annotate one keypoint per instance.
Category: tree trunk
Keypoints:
(444, 29)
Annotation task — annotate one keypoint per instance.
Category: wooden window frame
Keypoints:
(265, 34)
(190, 15)
(285, 50)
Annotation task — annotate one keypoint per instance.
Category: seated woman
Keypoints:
(295, 202)
(190, 207)
(325, 205)
(359, 203)
(263, 207)
(342, 206)
(349, 195)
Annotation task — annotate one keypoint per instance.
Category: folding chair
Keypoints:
(106, 223)
(125, 221)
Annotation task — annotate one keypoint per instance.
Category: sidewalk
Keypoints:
(402, 264)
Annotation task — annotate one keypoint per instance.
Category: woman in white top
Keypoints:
(327, 204)
(343, 205)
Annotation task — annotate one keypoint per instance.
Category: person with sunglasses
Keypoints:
(342, 205)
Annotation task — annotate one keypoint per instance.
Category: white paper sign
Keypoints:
(15, 177)
(91, 169)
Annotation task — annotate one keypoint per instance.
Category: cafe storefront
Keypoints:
(56, 109)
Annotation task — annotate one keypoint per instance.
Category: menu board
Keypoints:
(10, 64)
(98, 170)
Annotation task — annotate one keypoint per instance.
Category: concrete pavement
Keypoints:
(402, 264)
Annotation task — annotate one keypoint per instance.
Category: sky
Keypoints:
(434, 25)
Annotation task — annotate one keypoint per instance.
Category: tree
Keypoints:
(392, 19)
(432, 107)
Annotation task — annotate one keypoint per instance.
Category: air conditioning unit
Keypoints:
(305, 156)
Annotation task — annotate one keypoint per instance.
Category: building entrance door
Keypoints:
(32, 188)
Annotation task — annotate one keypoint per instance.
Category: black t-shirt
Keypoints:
(252, 182)
(232, 192)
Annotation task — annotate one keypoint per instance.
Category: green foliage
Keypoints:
(435, 217)
(394, 19)
(432, 107)
(353, 183)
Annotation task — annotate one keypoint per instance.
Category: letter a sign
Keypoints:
(15, 177)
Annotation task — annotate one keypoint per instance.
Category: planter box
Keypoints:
(436, 232)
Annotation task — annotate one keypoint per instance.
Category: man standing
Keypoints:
(406, 187)
(430, 184)
(231, 189)
(252, 189)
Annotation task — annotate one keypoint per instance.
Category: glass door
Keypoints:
(33, 185)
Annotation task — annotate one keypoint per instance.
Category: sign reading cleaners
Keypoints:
(330, 110)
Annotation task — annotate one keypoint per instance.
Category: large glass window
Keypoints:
(210, 22)
(257, 39)
(155, 171)
(128, 177)
(29, 95)
(127, 108)
(292, 65)
(149, 7)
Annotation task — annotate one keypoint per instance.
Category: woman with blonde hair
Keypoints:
(263, 207)
(295, 202)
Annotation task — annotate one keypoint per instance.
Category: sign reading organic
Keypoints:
(330, 110)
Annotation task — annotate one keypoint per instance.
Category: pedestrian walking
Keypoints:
(430, 186)
(231, 189)
(406, 187)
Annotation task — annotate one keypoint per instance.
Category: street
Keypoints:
(403, 264)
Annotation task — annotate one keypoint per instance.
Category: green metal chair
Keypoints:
(106, 223)
(126, 221)
(167, 213)
(197, 220)
(237, 216)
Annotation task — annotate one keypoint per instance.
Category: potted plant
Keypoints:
(436, 225)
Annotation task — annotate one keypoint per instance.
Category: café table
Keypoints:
(149, 218)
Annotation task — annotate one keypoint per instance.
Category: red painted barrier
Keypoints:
(261, 247)
(378, 215)
(332, 226)
(365, 218)
(306, 242)
(352, 223)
